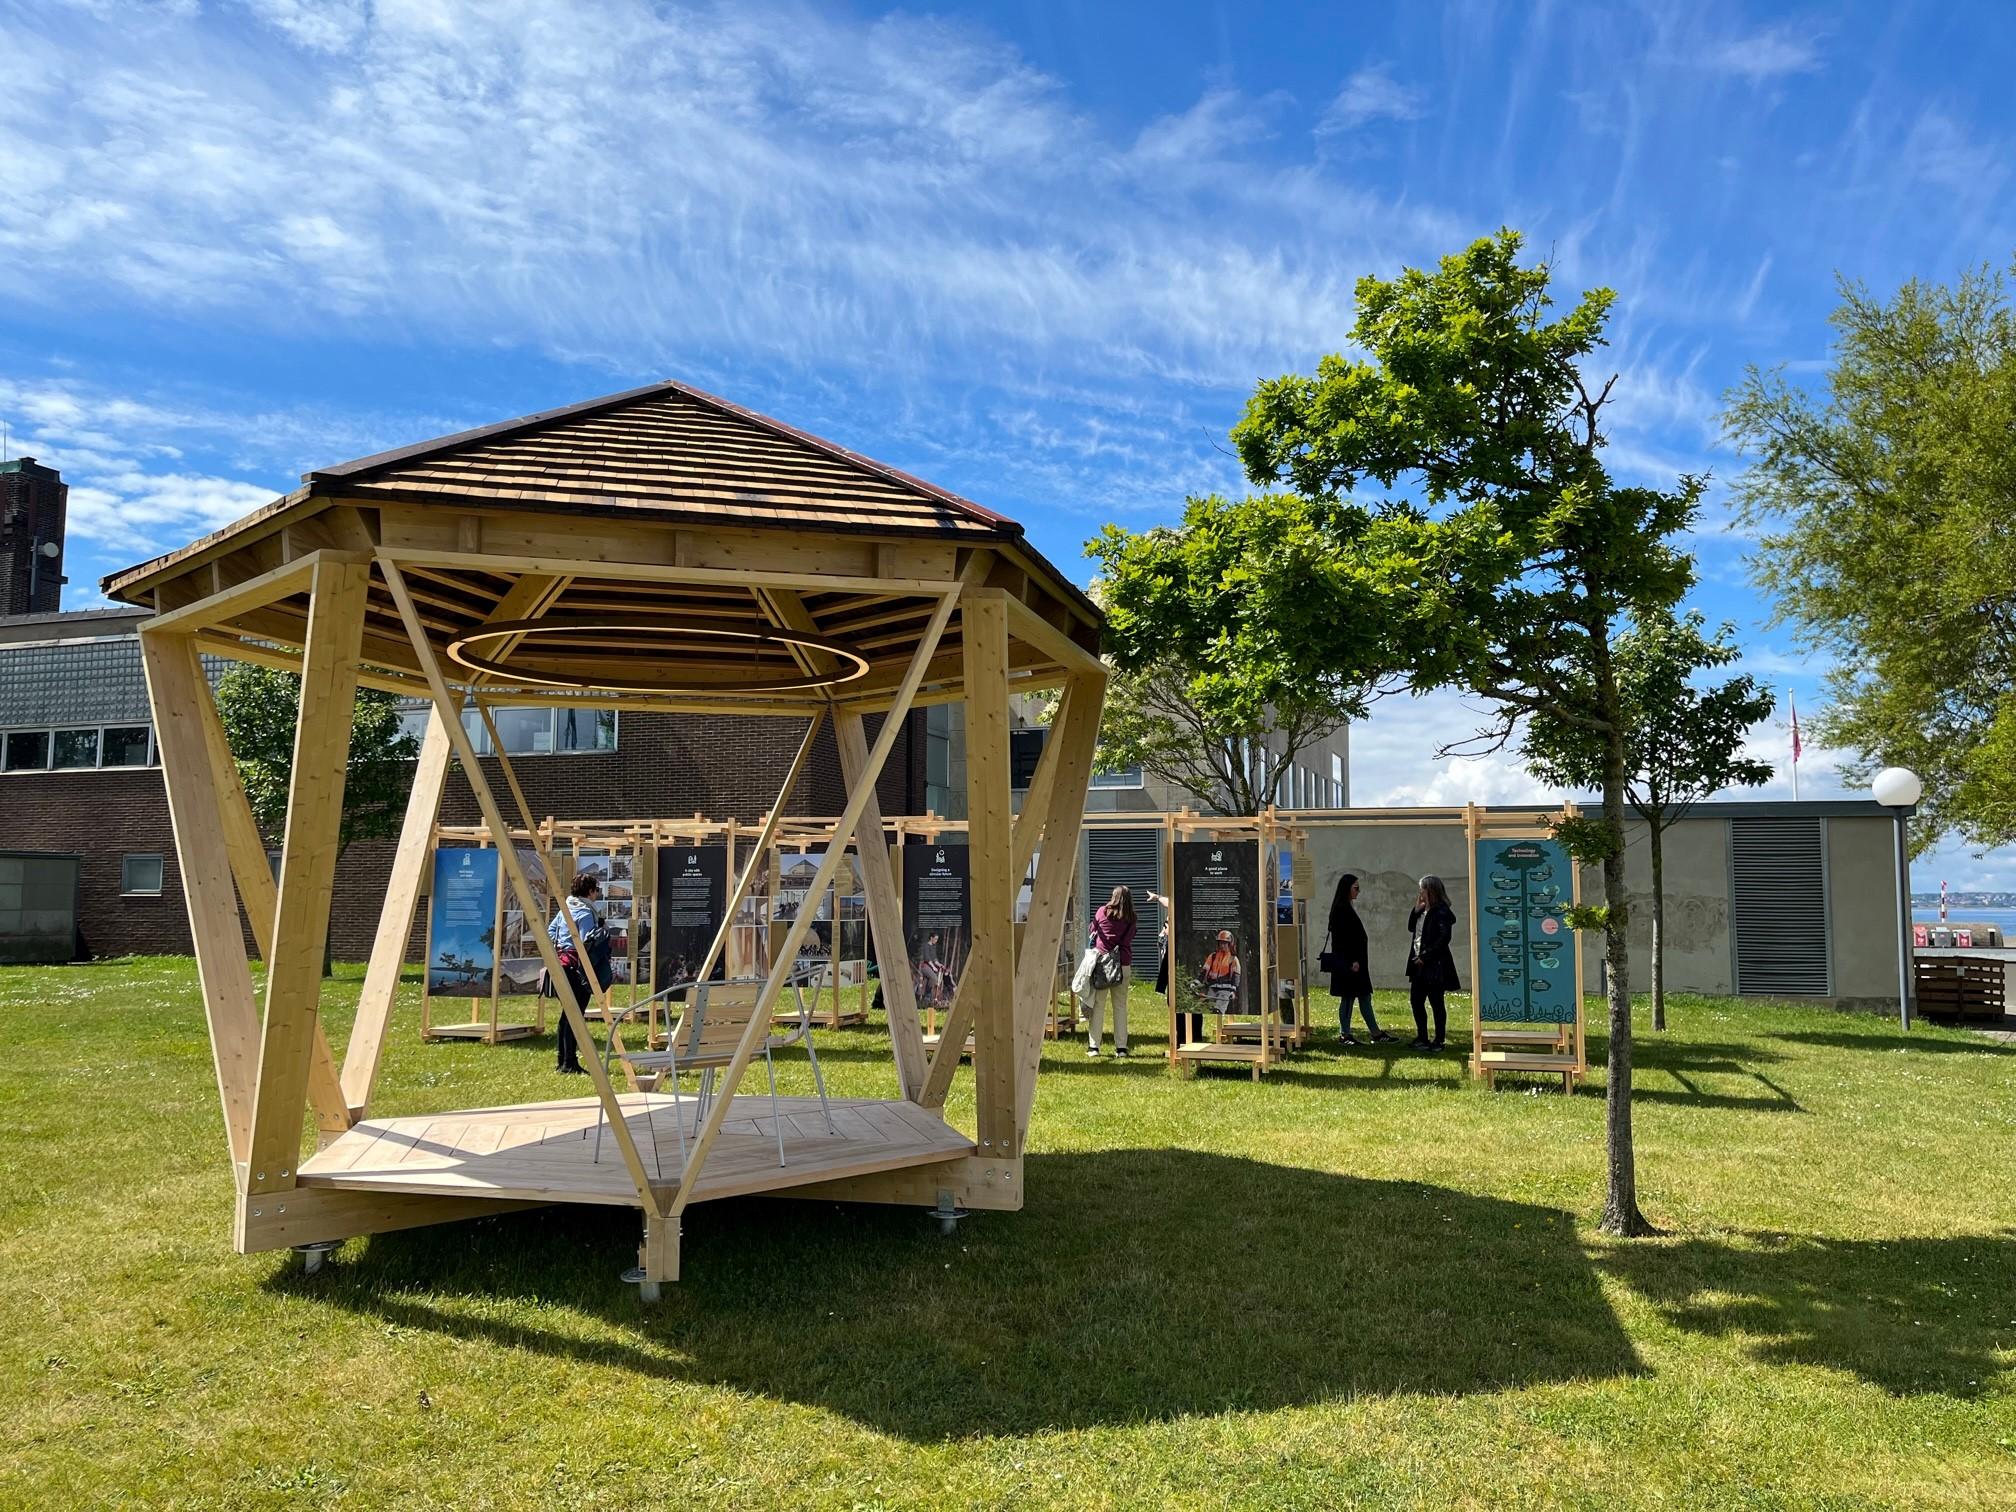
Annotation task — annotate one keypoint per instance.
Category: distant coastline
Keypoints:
(1965, 900)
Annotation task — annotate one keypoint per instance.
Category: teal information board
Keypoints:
(1525, 949)
(462, 923)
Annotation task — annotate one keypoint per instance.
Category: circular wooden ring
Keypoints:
(852, 664)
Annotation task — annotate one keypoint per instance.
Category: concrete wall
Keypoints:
(1389, 859)
(1862, 893)
(1390, 856)
(1700, 952)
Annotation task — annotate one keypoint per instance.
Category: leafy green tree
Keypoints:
(259, 707)
(1683, 741)
(1887, 504)
(1219, 622)
(1505, 578)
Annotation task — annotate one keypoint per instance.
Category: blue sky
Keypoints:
(1037, 252)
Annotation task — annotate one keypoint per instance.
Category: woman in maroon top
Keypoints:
(1112, 930)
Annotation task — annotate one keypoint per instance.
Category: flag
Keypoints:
(1795, 730)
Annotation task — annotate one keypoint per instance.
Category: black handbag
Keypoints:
(1328, 959)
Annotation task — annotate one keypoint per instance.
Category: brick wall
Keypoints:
(666, 766)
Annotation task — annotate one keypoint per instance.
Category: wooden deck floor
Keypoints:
(545, 1152)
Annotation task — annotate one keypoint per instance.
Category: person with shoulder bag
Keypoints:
(1347, 958)
(1431, 968)
(1113, 929)
(580, 907)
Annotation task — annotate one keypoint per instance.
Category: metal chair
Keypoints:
(705, 1040)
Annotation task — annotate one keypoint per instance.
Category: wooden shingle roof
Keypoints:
(673, 451)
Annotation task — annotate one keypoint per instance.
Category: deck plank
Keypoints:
(546, 1151)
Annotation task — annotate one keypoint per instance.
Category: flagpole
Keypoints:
(1795, 748)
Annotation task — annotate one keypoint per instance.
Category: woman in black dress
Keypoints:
(1431, 969)
(1351, 982)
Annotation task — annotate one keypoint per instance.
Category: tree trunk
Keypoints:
(1620, 1203)
(1658, 924)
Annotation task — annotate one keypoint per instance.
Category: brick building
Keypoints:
(82, 789)
(34, 503)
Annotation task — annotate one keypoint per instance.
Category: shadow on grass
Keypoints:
(1906, 1315)
(1916, 1044)
(1137, 1285)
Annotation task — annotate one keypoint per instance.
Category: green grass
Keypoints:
(1361, 1281)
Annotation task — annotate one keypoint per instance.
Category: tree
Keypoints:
(1509, 575)
(1218, 683)
(1887, 503)
(1683, 742)
(260, 706)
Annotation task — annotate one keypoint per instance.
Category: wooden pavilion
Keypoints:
(664, 550)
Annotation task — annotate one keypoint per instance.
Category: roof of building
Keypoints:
(668, 450)
(69, 624)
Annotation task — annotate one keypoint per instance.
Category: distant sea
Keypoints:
(1922, 913)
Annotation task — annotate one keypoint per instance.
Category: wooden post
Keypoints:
(307, 869)
(260, 894)
(782, 966)
(1074, 734)
(177, 688)
(395, 920)
(885, 913)
(990, 961)
(465, 753)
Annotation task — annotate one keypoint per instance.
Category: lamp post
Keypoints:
(1898, 789)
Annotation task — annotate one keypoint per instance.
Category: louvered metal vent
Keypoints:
(1130, 858)
(1778, 907)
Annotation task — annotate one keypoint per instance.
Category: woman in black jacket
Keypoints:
(1351, 981)
(1431, 969)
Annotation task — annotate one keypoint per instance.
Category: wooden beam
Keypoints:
(786, 956)
(395, 919)
(959, 1016)
(1074, 733)
(885, 911)
(254, 593)
(307, 868)
(465, 752)
(885, 901)
(664, 572)
(1030, 627)
(177, 689)
(990, 963)
(759, 857)
(317, 1214)
(261, 896)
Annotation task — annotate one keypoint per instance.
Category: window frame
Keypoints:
(49, 732)
(413, 721)
(160, 860)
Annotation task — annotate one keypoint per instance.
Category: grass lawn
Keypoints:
(1361, 1281)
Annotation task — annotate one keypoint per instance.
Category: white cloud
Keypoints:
(320, 25)
(140, 511)
(1371, 94)
(633, 184)
(1771, 53)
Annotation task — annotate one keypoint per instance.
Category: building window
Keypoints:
(1126, 777)
(140, 876)
(75, 750)
(27, 750)
(584, 729)
(524, 731)
(1336, 781)
(536, 731)
(126, 746)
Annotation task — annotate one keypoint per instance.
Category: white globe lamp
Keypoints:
(1898, 789)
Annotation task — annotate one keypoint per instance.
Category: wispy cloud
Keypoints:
(1371, 94)
(1770, 53)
